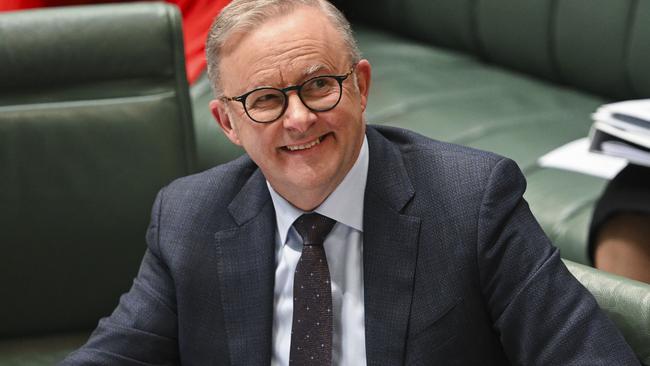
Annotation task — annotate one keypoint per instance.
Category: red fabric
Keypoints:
(7, 5)
(197, 18)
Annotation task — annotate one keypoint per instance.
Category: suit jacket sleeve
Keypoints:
(143, 328)
(543, 315)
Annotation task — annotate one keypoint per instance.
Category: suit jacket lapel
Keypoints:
(246, 266)
(389, 253)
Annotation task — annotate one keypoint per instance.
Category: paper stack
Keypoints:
(623, 129)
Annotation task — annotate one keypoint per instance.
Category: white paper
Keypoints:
(606, 118)
(639, 108)
(576, 157)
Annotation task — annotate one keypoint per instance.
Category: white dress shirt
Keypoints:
(344, 251)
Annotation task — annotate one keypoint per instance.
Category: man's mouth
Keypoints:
(304, 146)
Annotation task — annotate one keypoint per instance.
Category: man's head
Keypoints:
(308, 149)
(244, 16)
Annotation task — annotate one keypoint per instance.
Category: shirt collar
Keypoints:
(345, 204)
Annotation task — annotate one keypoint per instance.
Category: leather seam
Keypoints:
(551, 44)
(627, 47)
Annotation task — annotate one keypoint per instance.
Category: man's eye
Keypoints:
(319, 85)
(268, 97)
(265, 100)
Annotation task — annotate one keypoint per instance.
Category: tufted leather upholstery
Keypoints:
(596, 46)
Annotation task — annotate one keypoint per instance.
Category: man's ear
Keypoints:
(218, 109)
(363, 72)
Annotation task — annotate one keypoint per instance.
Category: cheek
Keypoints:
(243, 132)
(349, 120)
(258, 141)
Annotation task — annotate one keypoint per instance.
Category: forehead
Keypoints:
(282, 50)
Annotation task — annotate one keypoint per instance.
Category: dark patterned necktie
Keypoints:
(311, 332)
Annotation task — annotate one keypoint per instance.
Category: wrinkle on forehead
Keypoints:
(284, 51)
(291, 63)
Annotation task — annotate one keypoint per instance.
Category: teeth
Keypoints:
(304, 146)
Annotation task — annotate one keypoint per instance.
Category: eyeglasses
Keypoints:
(319, 94)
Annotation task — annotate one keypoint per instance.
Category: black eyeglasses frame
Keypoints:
(297, 88)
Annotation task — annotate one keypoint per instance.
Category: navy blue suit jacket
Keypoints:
(456, 270)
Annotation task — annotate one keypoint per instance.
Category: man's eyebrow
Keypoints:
(311, 70)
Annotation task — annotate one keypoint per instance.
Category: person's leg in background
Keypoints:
(620, 230)
(622, 246)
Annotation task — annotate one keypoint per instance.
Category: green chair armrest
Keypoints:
(626, 302)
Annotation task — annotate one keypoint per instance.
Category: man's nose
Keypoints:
(297, 116)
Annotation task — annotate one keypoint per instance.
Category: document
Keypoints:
(575, 156)
(622, 129)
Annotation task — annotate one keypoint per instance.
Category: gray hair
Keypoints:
(244, 15)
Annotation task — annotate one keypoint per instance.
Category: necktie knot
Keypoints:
(313, 228)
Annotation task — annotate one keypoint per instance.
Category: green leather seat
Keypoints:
(625, 301)
(213, 147)
(95, 117)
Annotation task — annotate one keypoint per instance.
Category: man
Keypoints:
(432, 256)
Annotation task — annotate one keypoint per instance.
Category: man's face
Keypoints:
(287, 51)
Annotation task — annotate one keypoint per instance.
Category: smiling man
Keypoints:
(335, 243)
(313, 145)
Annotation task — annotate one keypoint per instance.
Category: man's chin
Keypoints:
(305, 191)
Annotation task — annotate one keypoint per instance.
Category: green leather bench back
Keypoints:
(598, 46)
(94, 119)
(595, 45)
(212, 145)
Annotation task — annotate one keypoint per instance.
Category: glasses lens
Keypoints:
(265, 105)
(321, 93)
